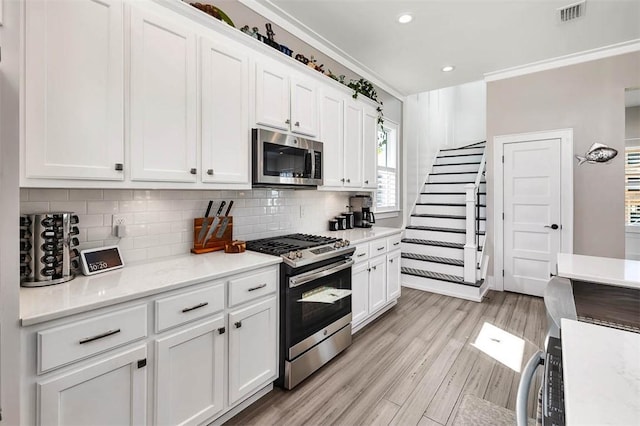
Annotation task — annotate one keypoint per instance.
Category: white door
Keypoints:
(304, 107)
(393, 275)
(163, 97)
(331, 135)
(531, 175)
(359, 292)
(272, 96)
(225, 113)
(370, 148)
(377, 283)
(253, 346)
(74, 103)
(190, 374)
(352, 144)
(108, 392)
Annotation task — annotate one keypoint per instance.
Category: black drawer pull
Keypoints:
(396, 243)
(257, 287)
(221, 330)
(362, 254)
(198, 306)
(238, 324)
(380, 248)
(99, 336)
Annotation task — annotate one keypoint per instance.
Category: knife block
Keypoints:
(214, 243)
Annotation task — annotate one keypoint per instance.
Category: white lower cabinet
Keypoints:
(211, 346)
(359, 292)
(375, 280)
(253, 356)
(377, 283)
(111, 391)
(393, 275)
(189, 385)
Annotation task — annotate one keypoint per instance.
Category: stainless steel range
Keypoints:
(315, 301)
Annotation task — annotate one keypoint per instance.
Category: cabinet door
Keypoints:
(272, 96)
(190, 374)
(74, 103)
(370, 148)
(377, 283)
(304, 107)
(393, 275)
(225, 114)
(108, 392)
(163, 96)
(359, 292)
(253, 348)
(331, 135)
(353, 144)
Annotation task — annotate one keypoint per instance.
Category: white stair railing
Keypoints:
(472, 226)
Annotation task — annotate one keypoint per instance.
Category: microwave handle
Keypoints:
(298, 280)
(525, 384)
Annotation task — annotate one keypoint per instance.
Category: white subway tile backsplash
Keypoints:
(160, 222)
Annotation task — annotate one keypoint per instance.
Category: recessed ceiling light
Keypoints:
(448, 68)
(405, 18)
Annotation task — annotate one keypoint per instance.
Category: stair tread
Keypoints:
(443, 216)
(446, 204)
(435, 243)
(450, 183)
(439, 276)
(435, 259)
(454, 173)
(437, 229)
(457, 164)
(459, 155)
(471, 146)
(449, 193)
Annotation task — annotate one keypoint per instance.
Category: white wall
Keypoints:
(160, 223)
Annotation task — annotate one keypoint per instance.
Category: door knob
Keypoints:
(554, 226)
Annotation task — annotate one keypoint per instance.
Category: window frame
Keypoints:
(390, 127)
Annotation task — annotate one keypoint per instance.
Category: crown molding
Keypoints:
(563, 61)
(292, 25)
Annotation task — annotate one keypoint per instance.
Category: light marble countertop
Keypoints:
(134, 281)
(601, 375)
(602, 270)
(360, 235)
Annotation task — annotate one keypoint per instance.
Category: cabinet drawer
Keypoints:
(180, 309)
(68, 343)
(377, 247)
(393, 242)
(252, 286)
(361, 253)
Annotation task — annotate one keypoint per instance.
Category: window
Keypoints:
(387, 192)
(632, 185)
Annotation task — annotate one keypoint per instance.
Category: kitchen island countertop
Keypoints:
(602, 270)
(601, 370)
(134, 281)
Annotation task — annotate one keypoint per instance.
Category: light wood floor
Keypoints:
(411, 366)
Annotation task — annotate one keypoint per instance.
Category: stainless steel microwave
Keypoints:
(281, 160)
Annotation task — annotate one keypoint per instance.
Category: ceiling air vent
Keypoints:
(572, 11)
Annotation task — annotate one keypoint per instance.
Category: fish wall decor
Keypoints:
(598, 153)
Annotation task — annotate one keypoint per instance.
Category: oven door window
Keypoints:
(317, 304)
(286, 161)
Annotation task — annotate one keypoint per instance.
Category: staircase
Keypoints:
(447, 228)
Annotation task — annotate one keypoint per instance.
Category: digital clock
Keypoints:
(103, 259)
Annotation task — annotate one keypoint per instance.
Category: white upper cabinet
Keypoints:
(304, 107)
(272, 96)
(163, 96)
(332, 136)
(284, 100)
(370, 147)
(353, 144)
(225, 113)
(74, 103)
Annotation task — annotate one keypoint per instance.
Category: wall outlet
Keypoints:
(119, 219)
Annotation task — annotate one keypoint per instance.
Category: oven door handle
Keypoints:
(298, 280)
(526, 378)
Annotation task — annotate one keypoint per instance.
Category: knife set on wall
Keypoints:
(212, 233)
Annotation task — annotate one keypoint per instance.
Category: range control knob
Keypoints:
(291, 255)
(347, 243)
(337, 244)
(299, 254)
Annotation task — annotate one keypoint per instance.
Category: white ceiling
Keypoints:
(477, 36)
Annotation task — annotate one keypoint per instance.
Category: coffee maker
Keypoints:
(362, 214)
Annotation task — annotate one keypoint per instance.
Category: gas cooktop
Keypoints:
(301, 249)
